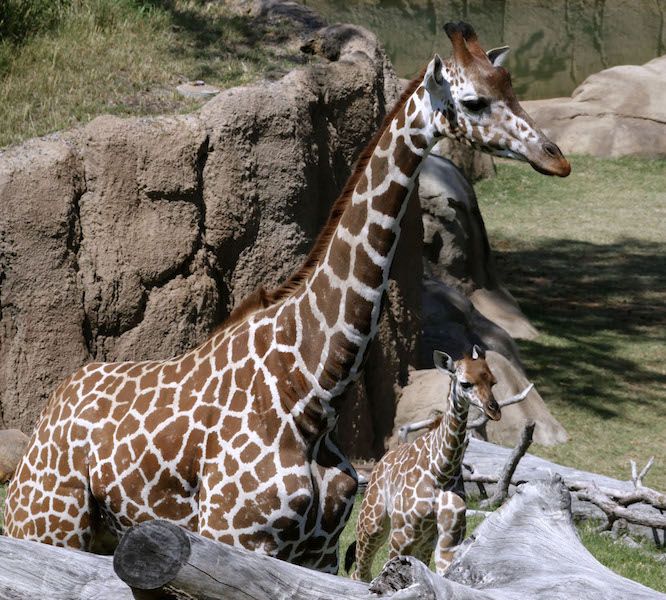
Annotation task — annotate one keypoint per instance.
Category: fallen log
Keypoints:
(595, 495)
(30, 570)
(529, 548)
(526, 549)
(166, 560)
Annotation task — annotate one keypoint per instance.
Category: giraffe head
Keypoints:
(471, 381)
(472, 101)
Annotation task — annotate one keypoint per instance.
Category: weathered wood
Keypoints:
(30, 571)
(526, 549)
(484, 462)
(529, 549)
(160, 555)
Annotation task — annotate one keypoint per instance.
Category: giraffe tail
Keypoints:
(350, 556)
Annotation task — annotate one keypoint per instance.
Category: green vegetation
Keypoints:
(584, 257)
(640, 563)
(64, 62)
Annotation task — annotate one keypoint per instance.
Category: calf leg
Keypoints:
(451, 524)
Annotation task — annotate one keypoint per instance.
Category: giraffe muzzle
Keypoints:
(550, 161)
(493, 410)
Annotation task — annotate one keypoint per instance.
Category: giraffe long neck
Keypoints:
(448, 440)
(337, 312)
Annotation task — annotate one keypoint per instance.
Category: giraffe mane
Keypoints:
(262, 298)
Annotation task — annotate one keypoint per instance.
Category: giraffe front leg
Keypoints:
(451, 525)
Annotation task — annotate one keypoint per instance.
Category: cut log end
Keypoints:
(150, 556)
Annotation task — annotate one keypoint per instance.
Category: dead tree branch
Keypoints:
(631, 501)
(477, 423)
(502, 489)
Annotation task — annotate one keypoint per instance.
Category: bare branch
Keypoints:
(408, 428)
(637, 479)
(615, 511)
(502, 489)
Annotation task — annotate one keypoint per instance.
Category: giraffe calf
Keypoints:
(415, 494)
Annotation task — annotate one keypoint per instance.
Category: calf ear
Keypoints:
(497, 56)
(443, 362)
(476, 352)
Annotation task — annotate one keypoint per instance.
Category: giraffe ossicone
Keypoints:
(415, 496)
(235, 438)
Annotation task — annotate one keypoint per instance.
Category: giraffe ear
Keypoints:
(476, 352)
(497, 56)
(434, 80)
(443, 362)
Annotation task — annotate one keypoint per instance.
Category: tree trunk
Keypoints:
(529, 548)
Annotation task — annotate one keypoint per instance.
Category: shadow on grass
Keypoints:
(601, 306)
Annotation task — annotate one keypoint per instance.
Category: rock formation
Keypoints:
(617, 112)
(12, 446)
(133, 238)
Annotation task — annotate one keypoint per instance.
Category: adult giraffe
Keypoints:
(234, 439)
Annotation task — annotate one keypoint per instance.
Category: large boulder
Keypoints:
(133, 238)
(617, 112)
(427, 395)
(12, 446)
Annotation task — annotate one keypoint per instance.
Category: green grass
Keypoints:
(3, 495)
(640, 564)
(585, 258)
(66, 62)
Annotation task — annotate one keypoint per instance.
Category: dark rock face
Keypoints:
(133, 238)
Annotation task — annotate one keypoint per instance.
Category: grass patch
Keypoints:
(3, 495)
(77, 59)
(641, 564)
(585, 258)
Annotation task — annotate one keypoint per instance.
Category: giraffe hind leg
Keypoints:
(60, 517)
(451, 526)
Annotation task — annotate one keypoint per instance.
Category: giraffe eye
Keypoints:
(466, 385)
(475, 105)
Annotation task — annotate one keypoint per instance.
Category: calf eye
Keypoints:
(475, 104)
(466, 385)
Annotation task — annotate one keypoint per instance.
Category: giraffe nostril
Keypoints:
(552, 150)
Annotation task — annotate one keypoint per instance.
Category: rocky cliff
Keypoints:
(133, 238)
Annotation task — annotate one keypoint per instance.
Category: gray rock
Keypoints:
(456, 247)
(617, 112)
(12, 446)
